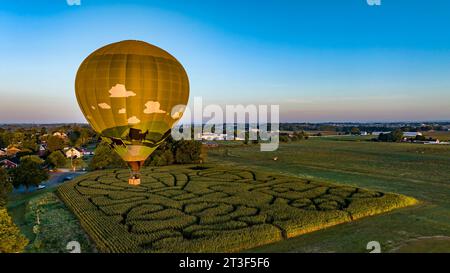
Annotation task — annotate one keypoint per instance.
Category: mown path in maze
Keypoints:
(211, 209)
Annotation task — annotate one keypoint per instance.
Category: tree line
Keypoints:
(169, 152)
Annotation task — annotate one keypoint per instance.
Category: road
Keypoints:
(56, 178)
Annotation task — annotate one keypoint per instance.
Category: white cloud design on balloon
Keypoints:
(133, 120)
(153, 107)
(119, 91)
(177, 111)
(104, 105)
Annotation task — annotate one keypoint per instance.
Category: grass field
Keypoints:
(441, 135)
(46, 222)
(212, 209)
(420, 171)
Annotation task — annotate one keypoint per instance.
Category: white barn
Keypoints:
(411, 134)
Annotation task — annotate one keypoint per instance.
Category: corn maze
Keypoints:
(211, 209)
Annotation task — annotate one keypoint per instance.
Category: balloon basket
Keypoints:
(135, 178)
(134, 181)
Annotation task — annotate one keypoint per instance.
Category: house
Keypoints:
(60, 134)
(73, 153)
(42, 149)
(8, 164)
(12, 151)
(363, 133)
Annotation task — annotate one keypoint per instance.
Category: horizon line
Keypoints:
(285, 122)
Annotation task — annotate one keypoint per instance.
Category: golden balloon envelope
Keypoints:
(132, 93)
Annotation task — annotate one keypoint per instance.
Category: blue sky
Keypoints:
(320, 60)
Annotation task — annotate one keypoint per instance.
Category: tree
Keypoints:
(296, 136)
(57, 159)
(5, 187)
(85, 135)
(181, 152)
(397, 135)
(6, 139)
(55, 143)
(163, 159)
(18, 136)
(163, 155)
(74, 136)
(43, 131)
(284, 138)
(33, 158)
(30, 143)
(76, 162)
(394, 136)
(29, 172)
(385, 137)
(11, 240)
(3, 142)
(169, 152)
(24, 152)
(355, 131)
(105, 157)
(420, 138)
(187, 151)
(304, 135)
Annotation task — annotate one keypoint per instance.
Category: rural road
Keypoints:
(55, 179)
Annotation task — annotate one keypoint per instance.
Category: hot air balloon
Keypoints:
(132, 93)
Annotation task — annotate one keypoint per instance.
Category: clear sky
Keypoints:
(320, 60)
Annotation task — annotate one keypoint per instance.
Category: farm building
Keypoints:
(379, 133)
(213, 136)
(437, 141)
(411, 134)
